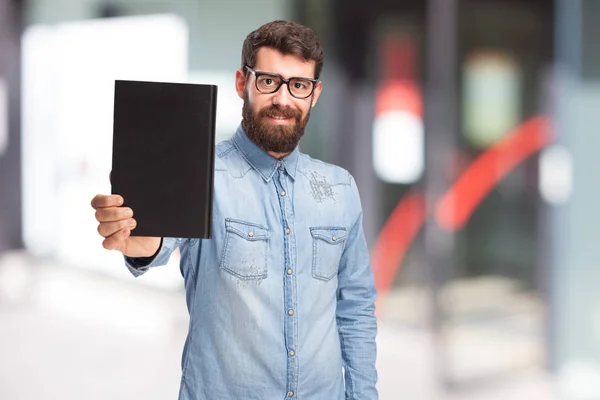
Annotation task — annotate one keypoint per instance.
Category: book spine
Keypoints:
(211, 160)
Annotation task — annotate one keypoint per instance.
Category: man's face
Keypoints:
(276, 121)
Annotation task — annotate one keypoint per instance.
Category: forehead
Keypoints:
(271, 60)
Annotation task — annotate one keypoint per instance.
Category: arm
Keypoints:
(140, 265)
(115, 225)
(356, 320)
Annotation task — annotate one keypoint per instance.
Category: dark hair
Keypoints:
(290, 38)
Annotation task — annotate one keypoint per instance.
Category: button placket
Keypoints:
(289, 281)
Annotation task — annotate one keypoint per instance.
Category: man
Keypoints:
(281, 299)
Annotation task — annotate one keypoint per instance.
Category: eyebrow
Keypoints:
(276, 74)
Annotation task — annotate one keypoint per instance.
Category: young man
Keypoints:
(281, 300)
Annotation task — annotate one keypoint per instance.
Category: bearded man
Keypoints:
(281, 299)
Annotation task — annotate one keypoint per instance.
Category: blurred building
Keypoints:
(469, 125)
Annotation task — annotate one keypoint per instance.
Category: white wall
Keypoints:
(217, 27)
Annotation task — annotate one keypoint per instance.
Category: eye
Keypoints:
(267, 81)
(300, 85)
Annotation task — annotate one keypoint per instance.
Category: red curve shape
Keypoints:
(455, 207)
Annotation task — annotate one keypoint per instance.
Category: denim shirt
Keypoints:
(281, 299)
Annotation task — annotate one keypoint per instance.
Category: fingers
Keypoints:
(111, 214)
(116, 222)
(107, 229)
(116, 240)
(103, 201)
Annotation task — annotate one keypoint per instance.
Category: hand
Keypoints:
(116, 224)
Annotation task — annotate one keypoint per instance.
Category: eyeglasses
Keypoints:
(267, 83)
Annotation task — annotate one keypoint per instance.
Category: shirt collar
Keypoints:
(260, 160)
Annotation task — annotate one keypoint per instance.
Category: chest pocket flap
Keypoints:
(245, 250)
(328, 246)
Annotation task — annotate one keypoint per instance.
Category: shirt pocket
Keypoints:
(245, 250)
(328, 246)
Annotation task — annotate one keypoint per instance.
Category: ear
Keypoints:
(317, 93)
(240, 83)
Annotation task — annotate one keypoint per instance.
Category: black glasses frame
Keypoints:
(282, 80)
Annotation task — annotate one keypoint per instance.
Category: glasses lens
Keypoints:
(267, 83)
(301, 87)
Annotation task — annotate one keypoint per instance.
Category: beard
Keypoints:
(271, 137)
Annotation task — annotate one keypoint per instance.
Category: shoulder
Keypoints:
(228, 158)
(322, 177)
(314, 169)
(223, 150)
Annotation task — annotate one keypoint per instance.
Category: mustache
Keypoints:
(275, 111)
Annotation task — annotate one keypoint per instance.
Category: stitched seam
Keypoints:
(189, 257)
(190, 341)
(226, 151)
(315, 161)
(333, 184)
(350, 381)
(266, 178)
(225, 264)
(245, 223)
(224, 253)
(317, 274)
(315, 259)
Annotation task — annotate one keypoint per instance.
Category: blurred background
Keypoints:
(471, 127)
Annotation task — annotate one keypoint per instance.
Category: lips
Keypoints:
(280, 114)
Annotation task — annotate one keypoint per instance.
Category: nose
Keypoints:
(282, 97)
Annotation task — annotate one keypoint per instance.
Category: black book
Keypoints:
(164, 155)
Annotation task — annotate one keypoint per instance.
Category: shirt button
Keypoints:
(290, 312)
(334, 238)
(289, 271)
(251, 234)
(282, 193)
(287, 231)
(290, 394)
(291, 353)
